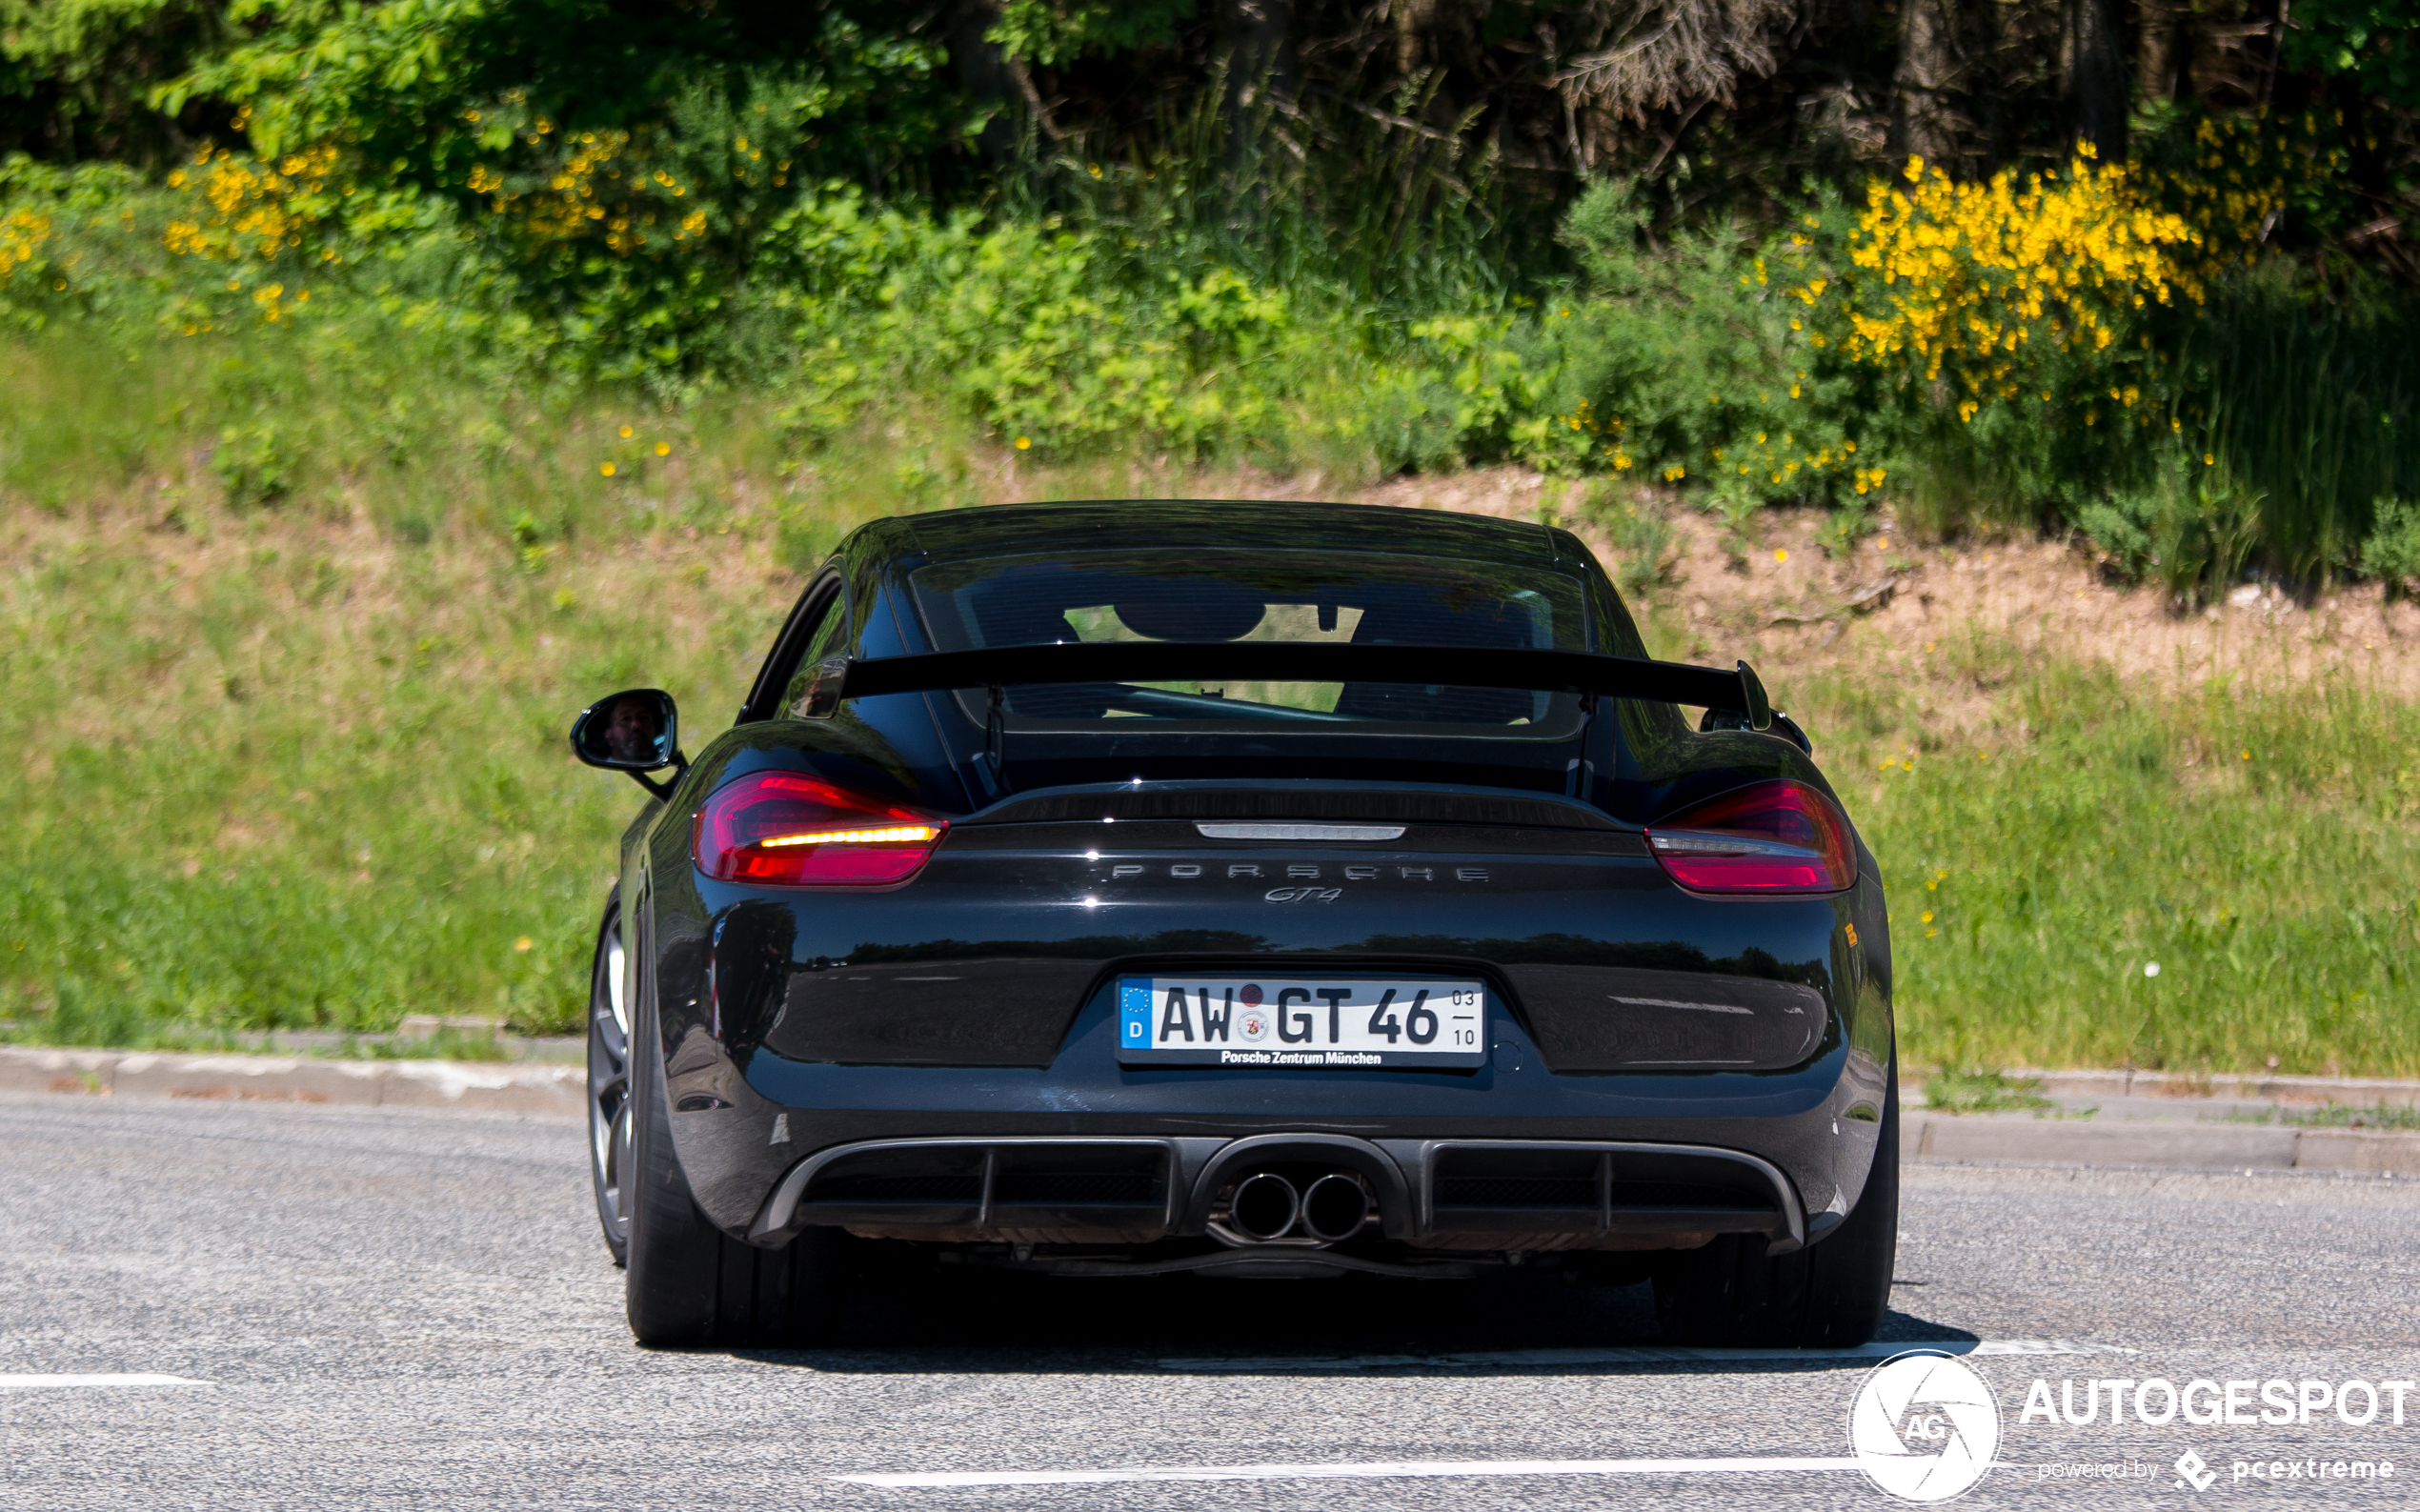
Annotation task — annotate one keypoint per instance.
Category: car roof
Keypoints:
(1267, 524)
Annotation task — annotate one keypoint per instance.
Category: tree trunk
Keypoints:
(985, 74)
(2161, 51)
(1256, 40)
(1923, 118)
(2092, 66)
(1257, 37)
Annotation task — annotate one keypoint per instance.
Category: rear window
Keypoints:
(1312, 598)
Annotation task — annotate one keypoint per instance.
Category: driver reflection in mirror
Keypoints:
(632, 732)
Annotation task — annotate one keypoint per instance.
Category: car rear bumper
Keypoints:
(977, 1007)
(1434, 1194)
(966, 1151)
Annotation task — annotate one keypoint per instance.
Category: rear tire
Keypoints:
(1829, 1295)
(689, 1284)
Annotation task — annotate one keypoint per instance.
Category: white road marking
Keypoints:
(1645, 1355)
(134, 1379)
(1382, 1470)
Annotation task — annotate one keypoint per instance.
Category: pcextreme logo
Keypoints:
(1924, 1426)
(2195, 1470)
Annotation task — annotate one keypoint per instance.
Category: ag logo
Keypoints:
(1924, 1427)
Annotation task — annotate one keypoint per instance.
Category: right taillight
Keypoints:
(794, 830)
(1772, 837)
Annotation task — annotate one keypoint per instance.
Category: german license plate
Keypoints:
(1301, 1022)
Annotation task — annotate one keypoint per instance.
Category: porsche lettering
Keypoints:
(1296, 871)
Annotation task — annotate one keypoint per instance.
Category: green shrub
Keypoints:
(1691, 362)
(2191, 529)
(255, 463)
(2392, 553)
(2307, 400)
(1642, 538)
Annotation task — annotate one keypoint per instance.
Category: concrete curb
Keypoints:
(2356, 1091)
(2180, 1146)
(488, 1087)
(532, 1087)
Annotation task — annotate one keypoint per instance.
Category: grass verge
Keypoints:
(2101, 871)
(1949, 1091)
(2394, 1117)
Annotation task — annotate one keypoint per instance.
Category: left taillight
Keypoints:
(789, 829)
(1774, 837)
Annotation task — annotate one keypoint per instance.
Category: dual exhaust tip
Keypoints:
(1268, 1206)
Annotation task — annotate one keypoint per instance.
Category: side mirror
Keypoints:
(634, 731)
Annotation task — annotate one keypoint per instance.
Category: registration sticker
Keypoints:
(1302, 1022)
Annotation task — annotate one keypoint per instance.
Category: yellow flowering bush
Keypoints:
(241, 207)
(2232, 179)
(1984, 286)
(1967, 282)
(22, 234)
(2035, 335)
(598, 186)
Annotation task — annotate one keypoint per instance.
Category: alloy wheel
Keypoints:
(608, 1131)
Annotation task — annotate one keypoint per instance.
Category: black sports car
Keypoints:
(1247, 890)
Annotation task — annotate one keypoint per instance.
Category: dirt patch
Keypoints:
(1787, 606)
(1506, 492)
(1783, 603)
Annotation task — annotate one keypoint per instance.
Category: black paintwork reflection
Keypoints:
(922, 1015)
(1582, 950)
(1097, 947)
(1613, 1019)
(949, 1003)
(749, 965)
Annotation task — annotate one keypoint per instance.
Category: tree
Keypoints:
(75, 76)
(2092, 72)
(1662, 54)
(2161, 48)
(1924, 117)
(2376, 42)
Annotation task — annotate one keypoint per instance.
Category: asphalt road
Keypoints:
(399, 1308)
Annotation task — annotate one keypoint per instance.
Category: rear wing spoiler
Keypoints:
(1737, 691)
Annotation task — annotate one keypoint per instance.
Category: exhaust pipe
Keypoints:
(1335, 1208)
(1265, 1206)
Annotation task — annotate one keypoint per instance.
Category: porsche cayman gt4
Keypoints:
(1238, 889)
